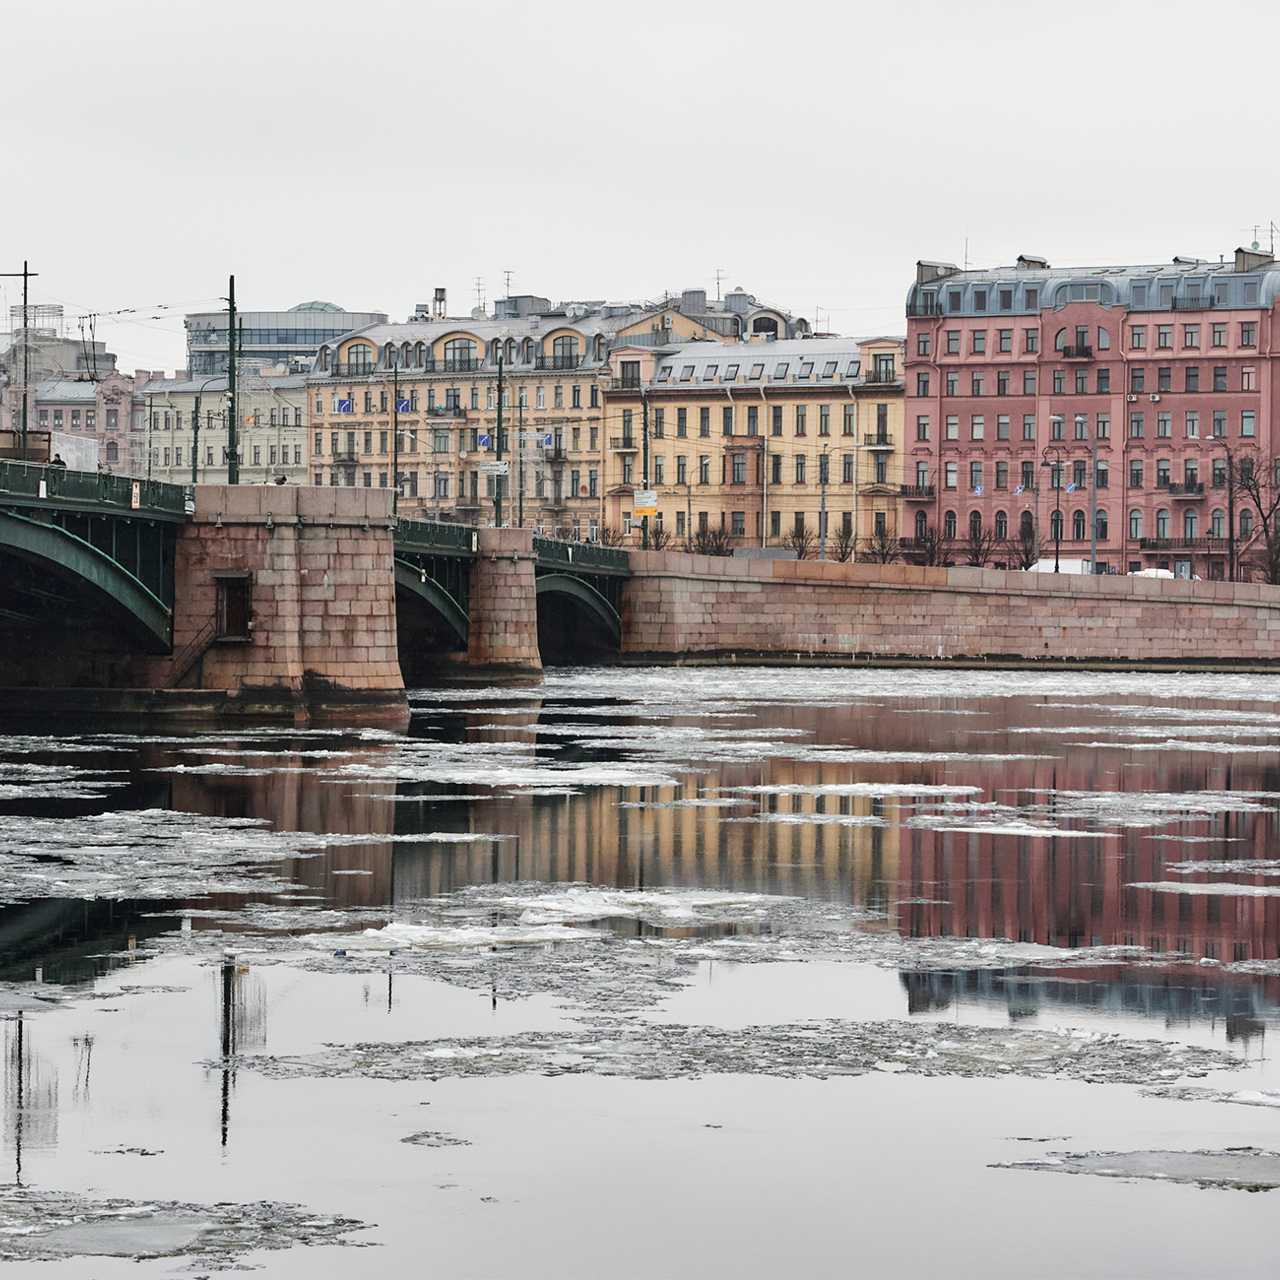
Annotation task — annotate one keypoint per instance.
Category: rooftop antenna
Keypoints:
(479, 293)
(719, 276)
(966, 253)
(507, 275)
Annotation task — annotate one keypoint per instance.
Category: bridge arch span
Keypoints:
(565, 600)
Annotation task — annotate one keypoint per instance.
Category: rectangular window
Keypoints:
(319, 444)
(1246, 379)
(1103, 477)
(979, 341)
(1220, 377)
(1029, 382)
(1246, 423)
(1162, 473)
(1164, 425)
(1032, 299)
(1137, 379)
(952, 427)
(726, 420)
(1104, 426)
(953, 383)
(1028, 475)
(1006, 340)
(802, 419)
(1164, 379)
(1138, 337)
(977, 427)
(847, 473)
(704, 422)
(979, 299)
(1032, 340)
(595, 396)
(922, 344)
(682, 469)
(1082, 382)
(975, 475)
(1135, 426)
(1193, 424)
(1248, 334)
(1002, 426)
(1057, 427)
(1219, 335)
(1135, 475)
(922, 384)
(824, 419)
(559, 398)
(1220, 423)
(659, 425)
(1059, 382)
(951, 472)
(1028, 426)
(1002, 475)
(577, 396)
(1104, 382)
(922, 427)
(753, 419)
(682, 423)
(800, 468)
(1192, 375)
(777, 420)
(1164, 336)
(540, 397)
(1190, 335)
(850, 420)
(775, 468)
(953, 342)
(1082, 427)
(1002, 382)
(976, 381)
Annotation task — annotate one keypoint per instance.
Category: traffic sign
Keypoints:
(645, 502)
(494, 468)
(486, 441)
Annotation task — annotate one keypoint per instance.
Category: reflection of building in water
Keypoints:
(1245, 1004)
(242, 1024)
(30, 1095)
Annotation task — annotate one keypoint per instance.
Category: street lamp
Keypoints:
(823, 467)
(195, 429)
(1055, 472)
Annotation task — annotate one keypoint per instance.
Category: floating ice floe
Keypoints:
(1191, 1093)
(821, 1048)
(1235, 1168)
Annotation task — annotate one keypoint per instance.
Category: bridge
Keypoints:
(124, 595)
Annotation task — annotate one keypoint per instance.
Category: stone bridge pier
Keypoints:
(502, 641)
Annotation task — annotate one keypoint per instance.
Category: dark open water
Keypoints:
(656, 972)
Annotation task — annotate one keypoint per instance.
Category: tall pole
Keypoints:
(497, 480)
(644, 464)
(1231, 517)
(233, 417)
(395, 439)
(150, 449)
(1093, 506)
(822, 517)
(26, 275)
(520, 478)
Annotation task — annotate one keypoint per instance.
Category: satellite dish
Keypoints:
(1255, 244)
(479, 313)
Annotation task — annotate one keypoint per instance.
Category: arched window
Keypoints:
(975, 524)
(1246, 524)
(113, 451)
(765, 324)
(511, 350)
(1218, 525)
(1189, 523)
(526, 351)
(406, 355)
(1104, 340)
(1055, 526)
(417, 355)
(922, 524)
(1162, 524)
(1135, 524)
(324, 359)
(1027, 525)
(1102, 526)
(1002, 525)
(459, 355)
(1078, 526)
(564, 353)
(389, 354)
(359, 358)
(1060, 340)
(949, 525)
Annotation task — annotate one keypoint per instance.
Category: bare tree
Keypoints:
(1024, 550)
(934, 547)
(842, 543)
(611, 537)
(881, 548)
(802, 541)
(659, 538)
(1259, 554)
(980, 546)
(712, 542)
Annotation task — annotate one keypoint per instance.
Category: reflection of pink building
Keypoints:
(1170, 367)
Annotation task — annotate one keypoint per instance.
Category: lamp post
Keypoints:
(823, 468)
(1093, 511)
(1055, 473)
(195, 430)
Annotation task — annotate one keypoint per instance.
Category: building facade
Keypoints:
(272, 438)
(287, 340)
(769, 441)
(1017, 378)
(104, 411)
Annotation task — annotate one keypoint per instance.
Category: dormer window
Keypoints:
(780, 373)
(829, 369)
(709, 373)
(854, 368)
(806, 369)
(686, 374)
(731, 373)
(664, 374)
(757, 371)
(979, 299)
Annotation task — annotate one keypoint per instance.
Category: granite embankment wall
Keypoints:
(678, 604)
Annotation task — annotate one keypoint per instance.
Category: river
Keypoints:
(691, 972)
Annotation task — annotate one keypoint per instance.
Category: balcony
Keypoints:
(920, 492)
(459, 364)
(877, 440)
(625, 384)
(931, 307)
(1193, 304)
(1183, 490)
(557, 362)
(1215, 545)
(361, 369)
(556, 454)
(344, 457)
(882, 377)
(1077, 353)
(446, 411)
(623, 444)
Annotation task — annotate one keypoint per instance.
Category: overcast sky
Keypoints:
(811, 152)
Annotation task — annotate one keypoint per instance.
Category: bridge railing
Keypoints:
(435, 536)
(582, 555)
(23, 480)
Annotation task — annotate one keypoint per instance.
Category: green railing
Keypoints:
(22, 481)
(435, 536)
(588, 556)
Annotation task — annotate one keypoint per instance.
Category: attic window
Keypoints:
(806, 369)
(665, 372)
(686, 373)
(709, 373)
(1083, 293)
(731, 373)
(1139, 295)
(780, 372)
(1250, 293)
(979, 299)
(829, 369)
(757, 371)
(854, 367)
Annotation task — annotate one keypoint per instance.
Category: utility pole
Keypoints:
(150, 450)
(26, 347)
(195, 431)
(497, 480)
(520, 445)
(824, 460)
(1093, 522)
(233, 419)
(1231, 517)
(644, 466)
(395, 439)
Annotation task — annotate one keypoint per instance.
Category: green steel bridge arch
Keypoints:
(595, 605)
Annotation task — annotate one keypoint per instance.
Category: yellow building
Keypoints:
(768, 441)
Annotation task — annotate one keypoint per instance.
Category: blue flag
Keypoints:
(977, 493)
(1019, 489)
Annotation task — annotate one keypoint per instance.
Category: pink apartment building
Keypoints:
(1015, 374)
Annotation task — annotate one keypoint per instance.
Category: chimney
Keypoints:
(439, 309)
(1251, 259)
(181, 375)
